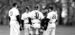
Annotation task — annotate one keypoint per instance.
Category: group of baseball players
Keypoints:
(35, 21)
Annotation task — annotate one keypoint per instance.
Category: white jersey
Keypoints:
(25, 17)
(36, 21)
(52, 16)
(33, 14)
(13, 13)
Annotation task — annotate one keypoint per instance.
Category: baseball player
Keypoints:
(52, 15)
(25, 17)
(14, 24)
(36, 16)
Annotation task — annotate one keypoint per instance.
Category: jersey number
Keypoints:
(54, 17)
(11, 13)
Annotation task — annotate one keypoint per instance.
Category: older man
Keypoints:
(14, 24)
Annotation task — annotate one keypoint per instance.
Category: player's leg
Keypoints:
(25, 29)
(53, 29)
(16, 28)
(53, 32)
(31, 31)
(11, 30)
(49, 29)
(36, 31)
(46, 32)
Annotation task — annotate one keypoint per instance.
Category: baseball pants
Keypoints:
(50, 29)
(14, 28)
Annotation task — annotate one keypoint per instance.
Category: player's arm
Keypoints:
(22, 17)
(10, 14)
(18, 18)
(17, 14)
(29, 20)
(41, 16)
(45, 22)
(48, 17)
(8, 18)
(9, 21)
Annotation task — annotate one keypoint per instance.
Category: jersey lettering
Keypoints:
(37, 15)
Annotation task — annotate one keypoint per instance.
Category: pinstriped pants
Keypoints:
(14, 28)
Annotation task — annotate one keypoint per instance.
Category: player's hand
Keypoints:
(21, 28)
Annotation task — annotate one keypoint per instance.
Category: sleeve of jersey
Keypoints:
(10, 13)
(41, 16)
(31, 15)
(48, 16)
(22, 17)
(17, 12)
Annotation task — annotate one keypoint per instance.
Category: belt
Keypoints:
(51, 22)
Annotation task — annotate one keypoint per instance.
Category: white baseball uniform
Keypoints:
(25, 17)
(33, 16)
(14, 24)
(36, 21)
(51, 24)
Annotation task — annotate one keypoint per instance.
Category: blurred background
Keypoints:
(67, 6)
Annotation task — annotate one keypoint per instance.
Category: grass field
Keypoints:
(60, 30)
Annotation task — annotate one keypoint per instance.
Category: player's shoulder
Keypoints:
(12, 9)
(50, 12)
(33, 11)
(36, 10)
